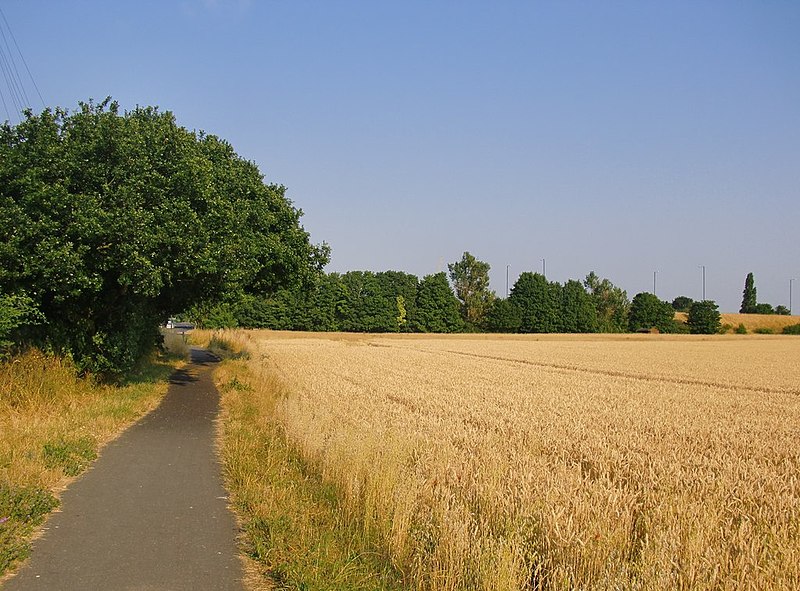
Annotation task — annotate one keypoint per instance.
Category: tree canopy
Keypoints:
(470, 278)
(647, 311)
(704, 318)
(109, 222)
(749, 296)
(610, 302)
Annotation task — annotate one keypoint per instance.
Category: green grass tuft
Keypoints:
(72, 456)
(22, 509)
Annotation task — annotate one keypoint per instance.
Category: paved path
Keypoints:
(151, 513)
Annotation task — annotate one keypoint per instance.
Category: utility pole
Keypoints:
(790, 296)
(703, 267)
(544, 269)
(654, 282)
(507, 266)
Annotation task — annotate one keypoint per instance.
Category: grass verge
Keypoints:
(53, 424)
(293, 530)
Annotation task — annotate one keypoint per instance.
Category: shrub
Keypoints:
(741, 329)
(792, 329)
(647, 311)
(763, 330)
(682, 303)
(704, 318)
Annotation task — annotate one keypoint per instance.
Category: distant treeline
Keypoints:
(394, 301)
(461, 301)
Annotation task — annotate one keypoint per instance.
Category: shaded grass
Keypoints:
(294, 531)
(53, 424)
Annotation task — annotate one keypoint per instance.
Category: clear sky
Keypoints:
(614, 136)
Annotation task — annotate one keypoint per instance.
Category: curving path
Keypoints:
(151, 514)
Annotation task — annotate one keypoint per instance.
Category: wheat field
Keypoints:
(572, 462)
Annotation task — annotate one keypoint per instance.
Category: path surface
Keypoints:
(151, 514)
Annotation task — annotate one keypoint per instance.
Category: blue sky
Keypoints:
(619, 137)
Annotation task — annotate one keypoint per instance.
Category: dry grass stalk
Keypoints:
(592, 463)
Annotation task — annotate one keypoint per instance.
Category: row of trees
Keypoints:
(356, 301)
(393, 301)
(750, 304)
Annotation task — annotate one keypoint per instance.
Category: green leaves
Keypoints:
(704, 318)
(648, 312)
(111, 222)
(470, 279)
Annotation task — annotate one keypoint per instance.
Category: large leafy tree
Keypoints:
(470, 278)
(611, 303)
(400, 291)
(503, 316)
(704, 318)
(749, 296)
(647, 311)
(578, 313)
(538, 301)
(364, 307)
(109, 222)
(437, 306)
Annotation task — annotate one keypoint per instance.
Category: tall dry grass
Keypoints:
(753, 322)
(52, 426)
(493, 463)
(294, 535)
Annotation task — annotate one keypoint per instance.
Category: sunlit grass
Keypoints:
(527, 462)
(53, 424)
(295, 535)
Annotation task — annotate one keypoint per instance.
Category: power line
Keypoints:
(10, 72)
(22, 57)
(17, 95)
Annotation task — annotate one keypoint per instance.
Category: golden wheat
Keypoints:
(555, 463)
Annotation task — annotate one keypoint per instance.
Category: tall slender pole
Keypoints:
(790, 296)
(544, 269)
(703, 267)
(507, 266)
(654, 282)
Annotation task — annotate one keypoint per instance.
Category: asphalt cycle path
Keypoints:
(151, 514)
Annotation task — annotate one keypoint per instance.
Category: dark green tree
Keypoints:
(470, 279)
(397, 284)
(16, 311)
(610, 302)
(318, 309)
(682, 303)
(437, 306)
(578, 313)
(365, 307)
(704, 318)
(749, 298)
(503, 316)
(274, 312)
(111, 222)
(647, 311)
(762, 309)
(782, 310)
(538, 301)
